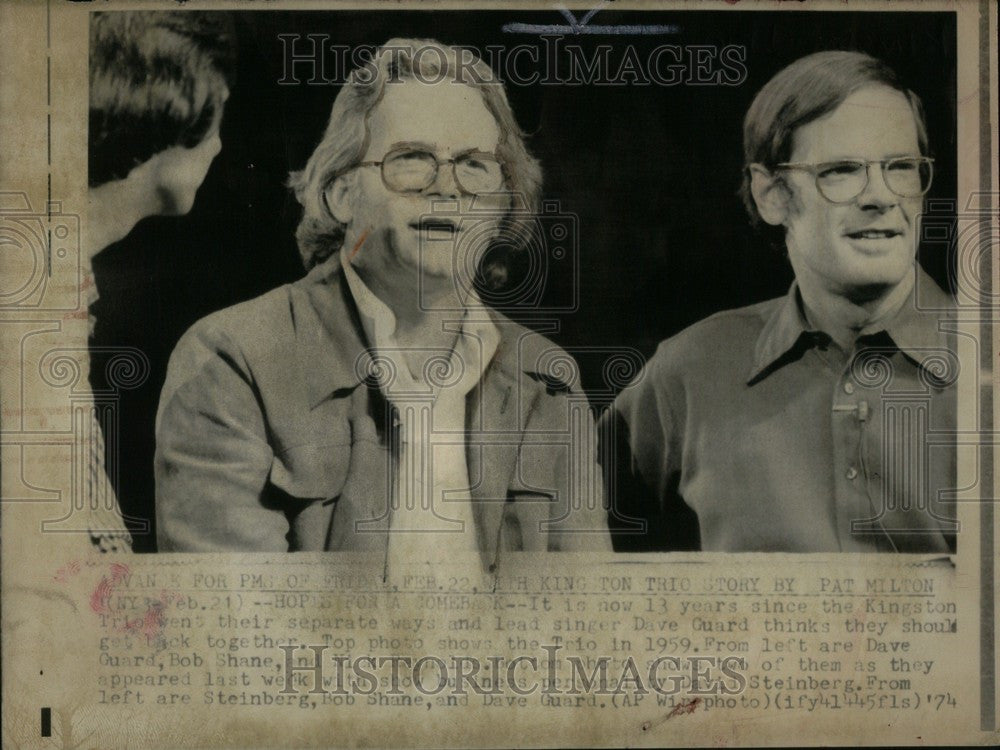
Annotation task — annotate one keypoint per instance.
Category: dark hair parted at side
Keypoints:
(158, 79)
(345, 141)
(804, 91)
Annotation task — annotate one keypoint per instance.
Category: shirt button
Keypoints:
(852, 473)
(848, 388)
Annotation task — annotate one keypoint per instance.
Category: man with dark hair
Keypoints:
(158, 83)
(377, 405)
(799, 424)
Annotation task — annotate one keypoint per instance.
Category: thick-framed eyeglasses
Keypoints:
(413, 170)
(843, 181)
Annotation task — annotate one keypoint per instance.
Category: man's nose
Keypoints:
(444, 184)
(877, 193)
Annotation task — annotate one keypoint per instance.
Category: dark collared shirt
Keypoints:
(778, 440)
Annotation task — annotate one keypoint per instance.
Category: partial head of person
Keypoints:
(837, 163)
(419, 168)
(158, 84)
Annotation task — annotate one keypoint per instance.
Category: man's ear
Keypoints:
(769, 194)
(337, 197)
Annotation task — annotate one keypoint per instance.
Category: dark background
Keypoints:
(651, 172)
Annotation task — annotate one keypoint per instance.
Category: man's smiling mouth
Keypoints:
(874, 234)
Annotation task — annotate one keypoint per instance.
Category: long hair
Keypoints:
(345, 141)
(157, 80)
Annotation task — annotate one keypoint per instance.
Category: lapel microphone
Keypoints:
(860, 410)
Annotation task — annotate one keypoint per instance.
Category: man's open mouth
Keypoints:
(874, 234)
(434, 225)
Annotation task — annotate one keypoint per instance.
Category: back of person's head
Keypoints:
(158, 79)
(802, 92)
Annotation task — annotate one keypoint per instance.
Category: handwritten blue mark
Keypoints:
(581, 26)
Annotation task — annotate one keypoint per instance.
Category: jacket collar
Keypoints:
(330, 337)
(917, 333)
(328, 333)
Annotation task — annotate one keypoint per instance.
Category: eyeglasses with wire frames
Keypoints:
(843, 181)
(412, 169)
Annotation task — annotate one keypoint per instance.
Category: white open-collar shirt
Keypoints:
(430, 496)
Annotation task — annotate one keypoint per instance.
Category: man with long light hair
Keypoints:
(378, 404)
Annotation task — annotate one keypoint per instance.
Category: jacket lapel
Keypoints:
(496, 415)
(330, 341)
